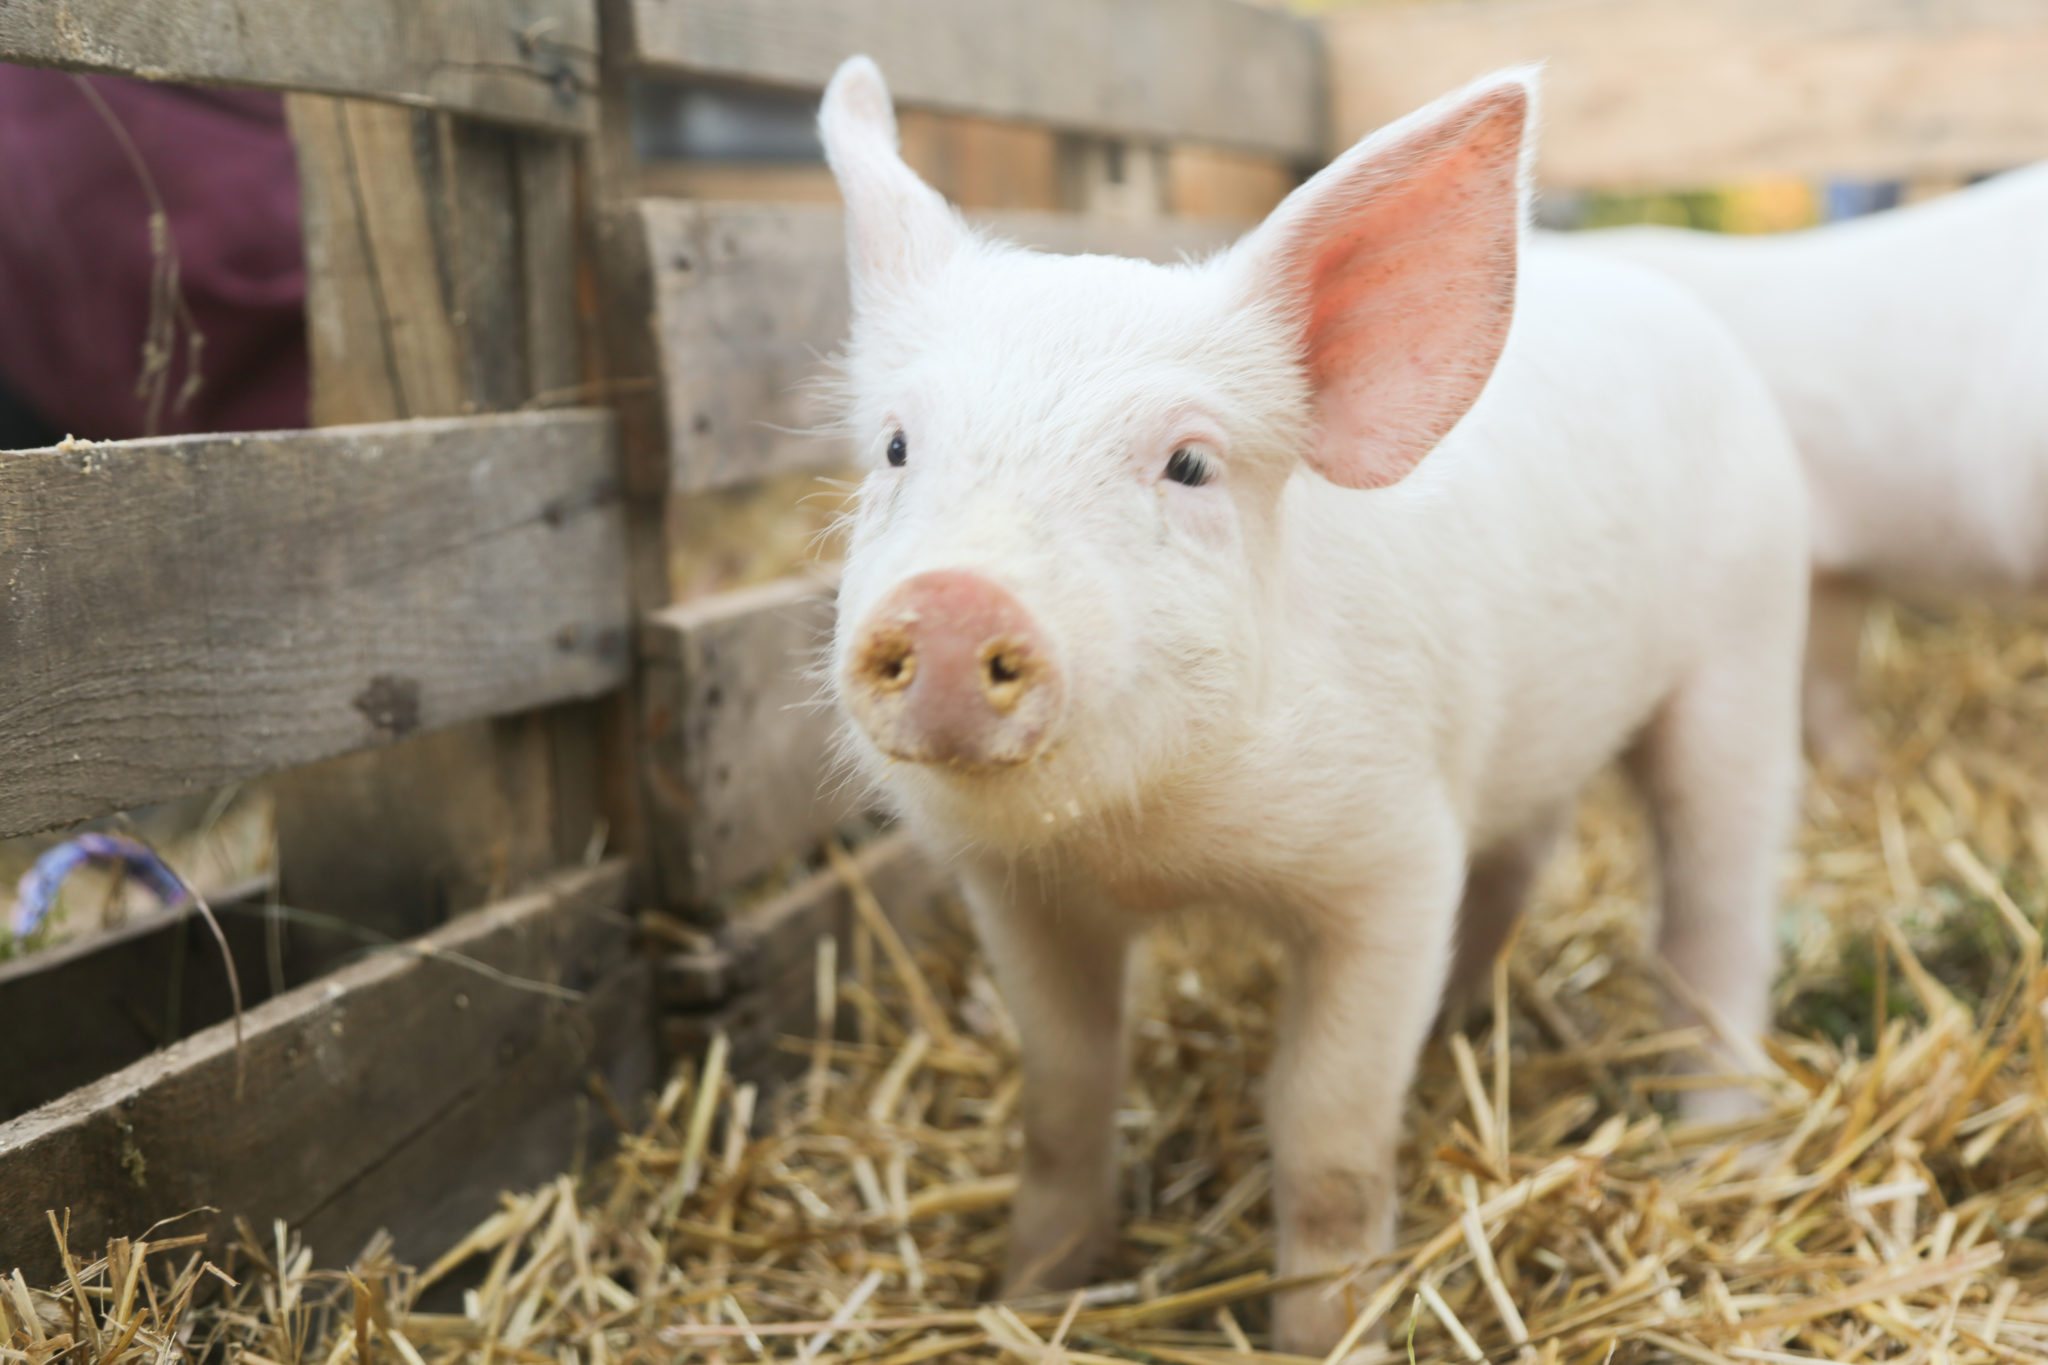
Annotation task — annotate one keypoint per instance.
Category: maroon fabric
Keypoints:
(76, 262)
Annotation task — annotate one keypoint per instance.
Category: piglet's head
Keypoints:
(1072, 579)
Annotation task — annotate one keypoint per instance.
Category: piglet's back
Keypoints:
(1907, 350)
(1623, 490)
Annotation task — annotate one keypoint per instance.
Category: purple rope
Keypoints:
(36, 895)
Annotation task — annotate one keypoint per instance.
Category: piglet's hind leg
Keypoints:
(1719, 766)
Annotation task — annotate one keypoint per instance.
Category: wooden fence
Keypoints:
(447, 554)
(443, 620)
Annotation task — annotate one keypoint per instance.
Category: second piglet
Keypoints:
(1909, 351)
(1152, 599)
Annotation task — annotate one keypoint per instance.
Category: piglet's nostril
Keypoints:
(1006, 673)
(888, 661)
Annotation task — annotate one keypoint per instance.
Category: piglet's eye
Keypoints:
(899, 450)
(1189, 466)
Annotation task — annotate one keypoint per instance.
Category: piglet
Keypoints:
(1152, 599)
(1909, 351)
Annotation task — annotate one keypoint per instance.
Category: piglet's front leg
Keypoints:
(1365, 982)
(1061, 965)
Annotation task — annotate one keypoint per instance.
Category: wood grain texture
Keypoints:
(184, 612)
(746, 298)
(402, 1091)
(478, 233)
(522, 61)
(441, 280)
(110, 998)
(976, 163)
(97, 1003)
(399, 838)
(980, 163)
(379, 320)
(1692, 93)
(759, 985)
(737, 735)
(548, 220)
(1204, 182)
(1206, 70)
(745, 182)
(441, 263)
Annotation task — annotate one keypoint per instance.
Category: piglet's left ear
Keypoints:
(1398, 261)
(898, 229)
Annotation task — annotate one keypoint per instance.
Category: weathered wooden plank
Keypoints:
(380, 321)
(91, 1006)
(746, 298)
(745, 182)
(522, 1127)
(1681, 93)
(738, 734)
(1207, 70)
(548, 226)
(522, 61)
(440, 281)
(758, 985)
(976, 163)
(440, 260)
(403, 1091)
(184, 612)
(478, 235)
(1203, 182)
(742, 298)
(552, 225)
(982, 163)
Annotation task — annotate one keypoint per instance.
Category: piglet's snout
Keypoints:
(949, 669)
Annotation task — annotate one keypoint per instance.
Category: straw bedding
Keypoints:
(1889, 1205)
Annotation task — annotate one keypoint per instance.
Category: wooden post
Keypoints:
(441, 279)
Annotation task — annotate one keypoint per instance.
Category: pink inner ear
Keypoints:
(1411, 287)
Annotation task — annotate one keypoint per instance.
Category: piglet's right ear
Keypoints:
(1398, 264)
(898, 229)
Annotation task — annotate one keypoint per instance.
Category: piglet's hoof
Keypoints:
(1311, 1321)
